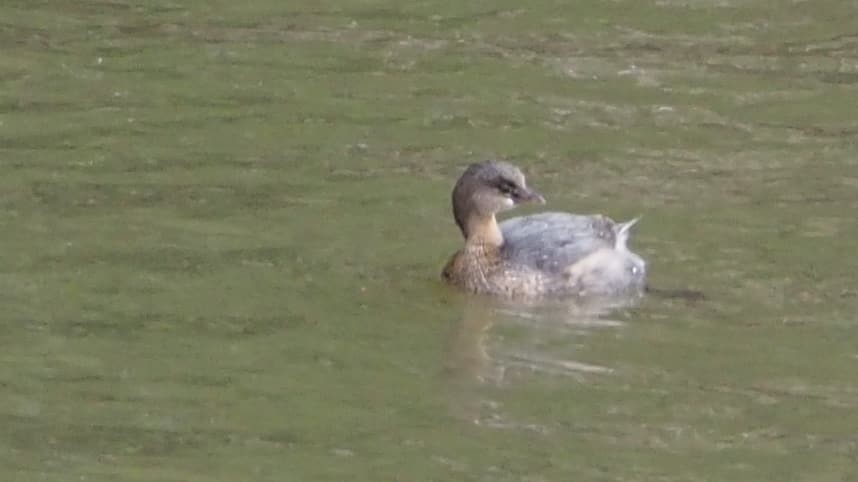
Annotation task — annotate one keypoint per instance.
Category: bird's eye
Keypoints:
(506, 187)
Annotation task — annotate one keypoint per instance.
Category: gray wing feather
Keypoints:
(554, 241)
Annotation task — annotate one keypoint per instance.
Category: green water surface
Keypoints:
(222, 223)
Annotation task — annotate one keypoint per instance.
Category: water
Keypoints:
(223, 226)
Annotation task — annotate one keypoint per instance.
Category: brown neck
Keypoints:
(483, 230)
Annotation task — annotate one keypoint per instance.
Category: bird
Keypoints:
(544, 255)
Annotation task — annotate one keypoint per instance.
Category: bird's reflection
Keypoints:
(496, 345)
(494, 339)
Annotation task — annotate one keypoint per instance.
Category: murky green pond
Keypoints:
(223, 223)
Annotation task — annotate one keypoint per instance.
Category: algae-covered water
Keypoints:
(223, 223)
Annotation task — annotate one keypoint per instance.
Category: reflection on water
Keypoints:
(498, 344)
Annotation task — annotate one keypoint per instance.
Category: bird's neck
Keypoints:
(483, 231)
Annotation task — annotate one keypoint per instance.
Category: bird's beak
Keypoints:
(529, 195)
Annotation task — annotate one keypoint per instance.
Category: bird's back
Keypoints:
(553, 241)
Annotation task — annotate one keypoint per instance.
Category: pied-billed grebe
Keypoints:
(543, 255)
